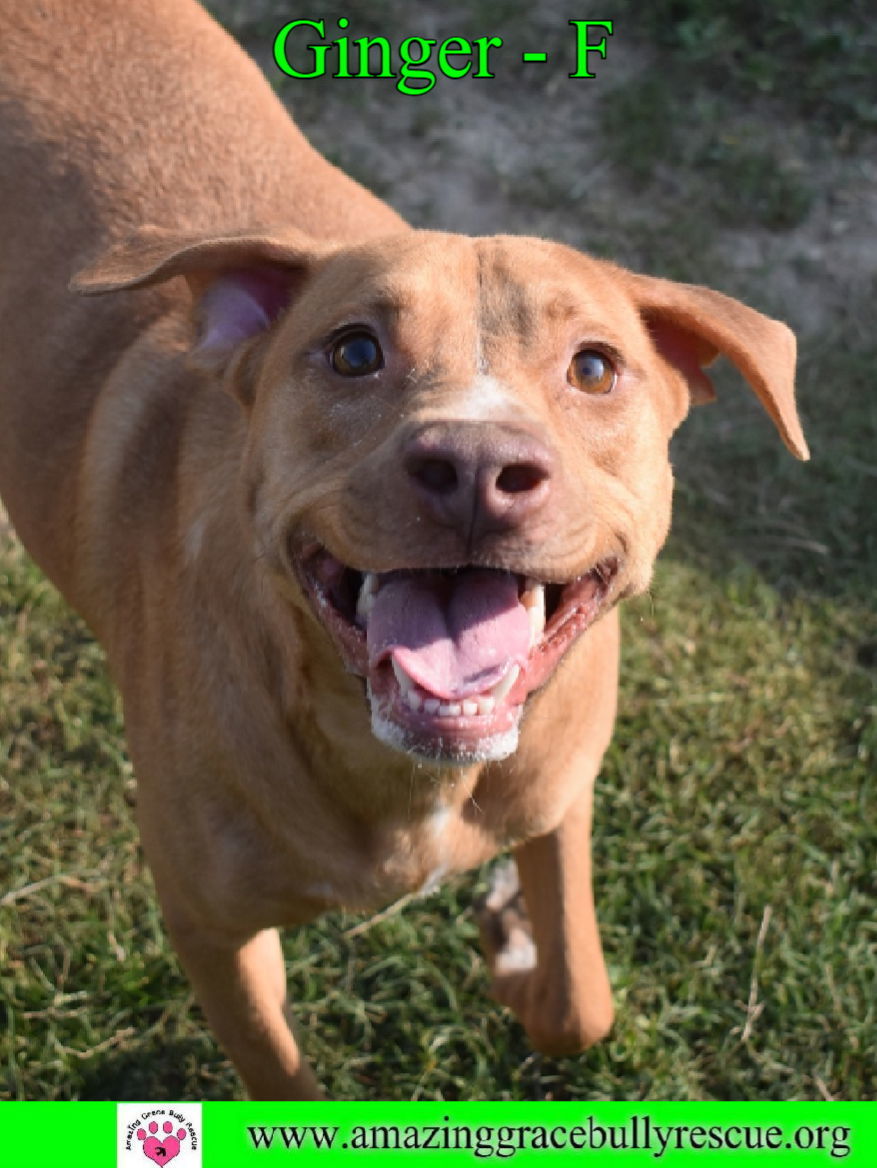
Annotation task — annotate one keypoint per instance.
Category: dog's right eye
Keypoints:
(356, 354)
(592, 372)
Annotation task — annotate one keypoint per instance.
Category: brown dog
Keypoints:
(335, 495)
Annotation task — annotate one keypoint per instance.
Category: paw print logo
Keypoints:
(161, 1151)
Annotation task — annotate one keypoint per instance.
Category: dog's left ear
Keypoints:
(240, 282)
(691, 326)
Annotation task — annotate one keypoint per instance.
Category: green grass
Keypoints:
(735, 831)
(813, 57)
(735, 802)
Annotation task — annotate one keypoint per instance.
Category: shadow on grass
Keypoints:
(804, 527)
(179, 1069)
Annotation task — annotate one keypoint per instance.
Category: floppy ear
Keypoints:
(240, 281)
(691, 326)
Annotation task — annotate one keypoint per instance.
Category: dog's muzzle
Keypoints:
(450, 656)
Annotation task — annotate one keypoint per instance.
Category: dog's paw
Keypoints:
(506, 935)
(557, 1022)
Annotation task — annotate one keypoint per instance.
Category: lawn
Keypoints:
(736, 834)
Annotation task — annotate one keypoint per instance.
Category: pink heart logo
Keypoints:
(161, 1151)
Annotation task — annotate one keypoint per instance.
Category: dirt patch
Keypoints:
(536, 152)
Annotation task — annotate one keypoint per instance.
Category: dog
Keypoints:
(350, 506)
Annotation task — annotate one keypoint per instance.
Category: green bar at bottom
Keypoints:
(227, 1135)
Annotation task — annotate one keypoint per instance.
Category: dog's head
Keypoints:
(457, 447)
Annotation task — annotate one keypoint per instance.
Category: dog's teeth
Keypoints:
(408, 686)
(537, 621)
(531, 586)
(486, 705)
(431, 705)
(406, 683)
(501, 689)
(367, 593)
(450, 709)
(470, 709)
(533, 599)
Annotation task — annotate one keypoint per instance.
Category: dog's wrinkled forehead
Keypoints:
(528, 288)
(454, 294)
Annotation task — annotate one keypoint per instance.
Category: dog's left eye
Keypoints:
(591, 372)
(356, 354)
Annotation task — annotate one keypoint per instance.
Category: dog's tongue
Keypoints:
(454, 634)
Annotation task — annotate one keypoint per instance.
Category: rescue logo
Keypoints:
(159, 1133)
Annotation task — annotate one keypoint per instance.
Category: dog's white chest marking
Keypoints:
(436, 825)
(438, 822)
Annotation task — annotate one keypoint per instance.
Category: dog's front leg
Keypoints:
(542, 941)
(241, 986)
(234, 965)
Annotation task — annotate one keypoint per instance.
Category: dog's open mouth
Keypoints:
(450, 655)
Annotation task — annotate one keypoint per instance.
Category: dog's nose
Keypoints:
(478, 478)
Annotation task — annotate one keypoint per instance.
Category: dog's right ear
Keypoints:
(240, 281)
